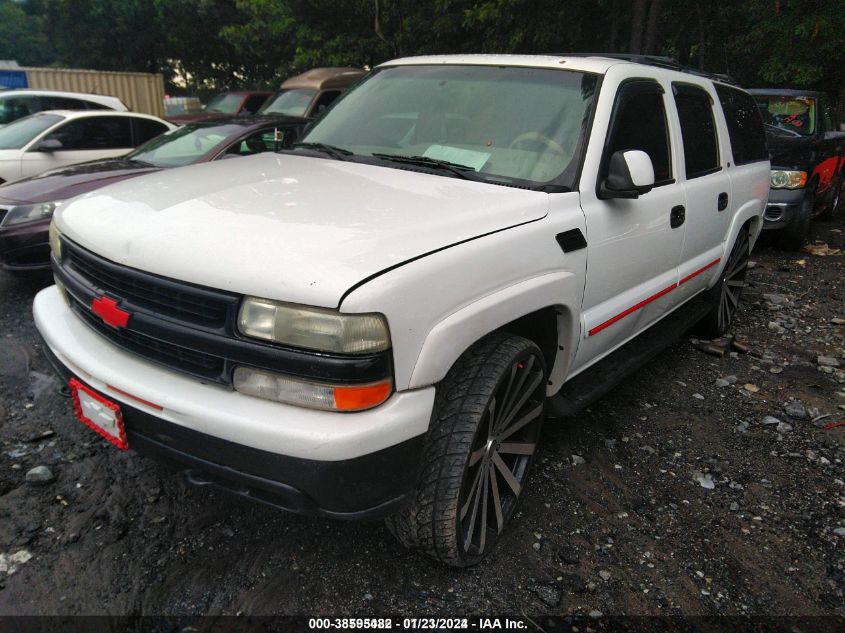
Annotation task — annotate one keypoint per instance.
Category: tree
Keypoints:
(22, 35)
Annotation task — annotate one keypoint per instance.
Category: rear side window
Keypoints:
(698, 130)
(745, 125)
(95, 133)
(145, 129)
(63, 103)
(639, 122)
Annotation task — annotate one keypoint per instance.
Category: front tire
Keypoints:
(484, 430)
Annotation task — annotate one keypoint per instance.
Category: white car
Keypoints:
(16, 104)
(53, 139)
(375, 323)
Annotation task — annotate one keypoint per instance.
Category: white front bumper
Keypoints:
(218, 411)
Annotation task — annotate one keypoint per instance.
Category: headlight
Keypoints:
(313, 328)
(30, 213)
(55, 241)
(781, 179)
(314, 395)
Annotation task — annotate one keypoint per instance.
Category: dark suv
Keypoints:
(808, 155)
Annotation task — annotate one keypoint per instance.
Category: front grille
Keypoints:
(187, 360)
(191, 328)
(179, 300)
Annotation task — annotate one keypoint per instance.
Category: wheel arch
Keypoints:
(522, 309)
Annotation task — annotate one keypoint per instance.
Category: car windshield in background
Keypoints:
(183, 145)
(788, 116)
(20, 132)
(225, 104)
(289, 102)
(505, 125)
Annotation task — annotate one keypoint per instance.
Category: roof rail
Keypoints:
(669, 63)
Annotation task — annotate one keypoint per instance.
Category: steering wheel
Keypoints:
(536, 137)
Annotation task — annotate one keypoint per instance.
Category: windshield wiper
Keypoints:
(456, 169)
(338, 153)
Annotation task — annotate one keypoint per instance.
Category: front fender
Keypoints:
(449, 338)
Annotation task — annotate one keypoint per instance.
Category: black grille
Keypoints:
(191, 328)
(179, 300)
(188, 360)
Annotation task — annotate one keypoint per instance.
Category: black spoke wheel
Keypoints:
(724, 297)
(488, 413)
(501, 454)
(733, 281)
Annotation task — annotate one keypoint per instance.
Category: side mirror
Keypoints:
(630, 174)
(50, 145)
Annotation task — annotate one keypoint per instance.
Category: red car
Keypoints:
(226, 104)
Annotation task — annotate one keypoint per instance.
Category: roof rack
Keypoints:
(669, 63)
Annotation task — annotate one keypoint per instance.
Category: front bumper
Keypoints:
(344, 465)
(783, 205)
(25, 247)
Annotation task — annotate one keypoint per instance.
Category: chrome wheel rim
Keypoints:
(733, 282)
(501, 454)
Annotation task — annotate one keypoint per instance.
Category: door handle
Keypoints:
(723, 201)
(677, 216)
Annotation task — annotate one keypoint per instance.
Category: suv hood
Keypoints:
(292, 228)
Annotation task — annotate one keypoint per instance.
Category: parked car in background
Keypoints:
(808, 160)
(375, 323)
(308, 94)
(27, 205)
(16, 104)
(226, 104)
(57, 138)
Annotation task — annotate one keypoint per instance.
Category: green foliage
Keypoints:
(22, 36)
(207, 45)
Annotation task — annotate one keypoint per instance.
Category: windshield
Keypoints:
(289, 102)
(20, 132)
(183, 146)
(508, 125)
(225, 104)
(788, 116)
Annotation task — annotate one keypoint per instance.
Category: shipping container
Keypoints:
(141, 92)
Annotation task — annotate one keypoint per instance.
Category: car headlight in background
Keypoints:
(783, 179)
(55, 240)
(30, 213)
(313, 328)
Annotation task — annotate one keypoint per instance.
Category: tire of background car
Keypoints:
(836, 200)
(488, 412)
(725, 295)
(794, 235)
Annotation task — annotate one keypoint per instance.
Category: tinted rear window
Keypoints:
(745, 125)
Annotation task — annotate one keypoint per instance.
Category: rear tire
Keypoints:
(794, 235)
(484, 430)
(725, 295)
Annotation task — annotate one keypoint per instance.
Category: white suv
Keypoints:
(16, 104)
(374, 323)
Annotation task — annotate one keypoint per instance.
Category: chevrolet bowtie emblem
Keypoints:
(106, 308)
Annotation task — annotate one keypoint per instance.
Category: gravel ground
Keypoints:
(684, 498)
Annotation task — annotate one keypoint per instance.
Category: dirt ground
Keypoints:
(689, 501)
